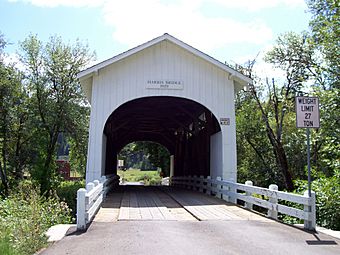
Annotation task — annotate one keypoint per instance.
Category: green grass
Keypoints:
(136, 175)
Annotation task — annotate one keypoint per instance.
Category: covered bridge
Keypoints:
(167, 92)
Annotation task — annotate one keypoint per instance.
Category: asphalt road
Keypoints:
(194, 237)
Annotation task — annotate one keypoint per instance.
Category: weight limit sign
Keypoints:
(307, 112)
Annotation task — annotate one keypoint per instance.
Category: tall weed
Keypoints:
(26, 215)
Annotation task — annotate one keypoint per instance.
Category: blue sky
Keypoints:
(228, 30)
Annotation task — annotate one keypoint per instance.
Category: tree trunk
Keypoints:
(4, 180)
(3, 166)
(47, 172)
(283, 164)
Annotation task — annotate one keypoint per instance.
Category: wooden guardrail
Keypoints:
(268, 198)
(90, 199)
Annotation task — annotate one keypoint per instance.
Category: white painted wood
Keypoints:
(253, 200)
(90, 199)
(200, 183)
(219, 187)
(293, 212)
(310, 223)
(94, 70)
(89, 186)
(248, 205)
(81, 221)
(269, 193)
(92, 195)
(233, 191)
(90, 213)
(216, 155)
(208, 187)
(273, 200)
(229, 193)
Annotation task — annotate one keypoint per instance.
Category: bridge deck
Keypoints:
(131, 203)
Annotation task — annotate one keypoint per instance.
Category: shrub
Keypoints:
(67, 192)
(25, 216)
(327, 191)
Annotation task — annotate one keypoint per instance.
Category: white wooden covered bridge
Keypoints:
(168, 92)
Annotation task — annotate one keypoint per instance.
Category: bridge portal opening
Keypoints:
(143, 162)
(187, 129)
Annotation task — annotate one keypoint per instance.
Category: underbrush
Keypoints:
(25, 216)
(67, 192)
(327, 191)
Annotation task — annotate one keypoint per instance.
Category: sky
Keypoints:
(229, 30)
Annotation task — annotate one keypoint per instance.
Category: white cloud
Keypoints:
(56, 3)
(134, 21)
(150, 18)
(257, 5)
(251, 5)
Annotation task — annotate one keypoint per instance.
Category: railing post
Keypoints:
(208, 191)
(248, 205)
(96, 183)
(81, 221)
(219, 187)
(311, 210)
(89, 186)
(194, 183)
(200, 189)
(273, 200)
(233, 190)
(188, 181)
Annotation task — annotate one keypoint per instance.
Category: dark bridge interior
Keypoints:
(181, 125)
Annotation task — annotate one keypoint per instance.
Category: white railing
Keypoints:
(268, 198)
(90, 199)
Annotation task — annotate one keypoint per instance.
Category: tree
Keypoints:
(78, 138)
(275, 98)
(325, 36)
(311, 66)
(325, 33)
(15, 127)
(158, 155)
(51, 72)
(254, 152)
(143, 154)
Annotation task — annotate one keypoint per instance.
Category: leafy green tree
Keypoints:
(158, 155)
(78, 138)
(325, 36)
(325, 33)
(254, 153)
(144, 154)
(15, 126)
(274, 103)
(51, 72)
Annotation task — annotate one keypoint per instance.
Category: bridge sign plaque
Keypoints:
(307, 112)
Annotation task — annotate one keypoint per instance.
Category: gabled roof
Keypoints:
(233, 74)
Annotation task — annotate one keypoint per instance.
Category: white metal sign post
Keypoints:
(307, 116)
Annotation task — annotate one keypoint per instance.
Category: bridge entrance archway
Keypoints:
(183, 126)
(168, 92)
